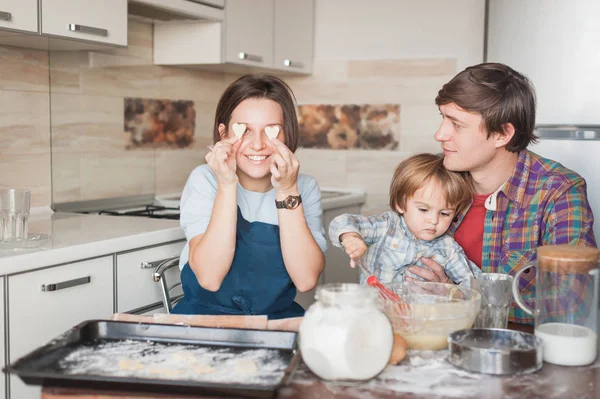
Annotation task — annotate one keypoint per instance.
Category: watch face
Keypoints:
(291, 202)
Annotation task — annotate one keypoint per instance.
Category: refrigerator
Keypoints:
(556, 43)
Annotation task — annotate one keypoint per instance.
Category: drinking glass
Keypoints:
(496, 298)
(14, 214)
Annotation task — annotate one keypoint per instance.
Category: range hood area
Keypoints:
(176, 10)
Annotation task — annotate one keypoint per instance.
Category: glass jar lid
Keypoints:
(566, 259)
(346, 294)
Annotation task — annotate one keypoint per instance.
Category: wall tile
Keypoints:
(117, 174)
(66, 177)
(327, 166)
(174, 167)
(385, 69)
(65, 70)
(83, 124)
(23, 69)
(142, 81)
(24, 119)
(28, 171)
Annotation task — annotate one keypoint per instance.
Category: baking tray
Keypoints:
(101, 354)
(495, 351)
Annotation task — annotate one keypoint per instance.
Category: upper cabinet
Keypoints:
(20, 15)
(63, 24)
(91, 20)
(257, 35)
(293, 41)
(248, 32)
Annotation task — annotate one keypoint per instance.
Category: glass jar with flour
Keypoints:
(566, 303)
(344, 336)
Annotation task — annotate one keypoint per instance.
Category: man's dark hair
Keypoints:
(500, 94)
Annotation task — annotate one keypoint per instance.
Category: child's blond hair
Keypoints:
(412, 173)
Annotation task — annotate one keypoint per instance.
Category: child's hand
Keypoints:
(221, 159)
(354, 246)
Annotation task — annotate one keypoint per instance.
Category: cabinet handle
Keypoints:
(5, 16)
(88, 29)
(66, 284)
(156, 263)
(293, 64)
(250, 57)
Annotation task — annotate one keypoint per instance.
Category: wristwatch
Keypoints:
(291, 202)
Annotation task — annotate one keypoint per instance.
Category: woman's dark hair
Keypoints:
(500, 94)
(259, 86)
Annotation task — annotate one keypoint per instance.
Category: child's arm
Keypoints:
(369, 228)
(211, 253)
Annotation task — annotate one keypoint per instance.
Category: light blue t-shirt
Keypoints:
(198, 198)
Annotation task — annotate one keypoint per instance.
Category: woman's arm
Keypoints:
(303, 257)
(211, 253)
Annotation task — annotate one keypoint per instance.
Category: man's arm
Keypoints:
(569, 219)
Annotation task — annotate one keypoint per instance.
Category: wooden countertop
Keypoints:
(415, 377)
(420, 375)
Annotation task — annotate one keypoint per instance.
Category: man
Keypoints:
(521, 200)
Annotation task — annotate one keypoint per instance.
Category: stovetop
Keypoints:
(151, 211)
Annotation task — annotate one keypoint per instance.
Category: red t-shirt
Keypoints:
(469, 234)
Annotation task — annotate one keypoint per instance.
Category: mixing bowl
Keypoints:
(436, 310)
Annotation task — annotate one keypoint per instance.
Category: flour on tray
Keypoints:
(152, 360)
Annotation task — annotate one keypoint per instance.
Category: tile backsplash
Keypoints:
(62, 133)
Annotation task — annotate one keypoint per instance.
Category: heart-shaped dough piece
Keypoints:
(238, 129)
(272, 131)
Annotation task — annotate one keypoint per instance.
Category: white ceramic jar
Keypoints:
(344, 336)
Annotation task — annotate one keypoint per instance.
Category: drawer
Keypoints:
(135, 284)
(91, 20)
(37, 316)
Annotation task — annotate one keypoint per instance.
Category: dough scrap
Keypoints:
(246, 365)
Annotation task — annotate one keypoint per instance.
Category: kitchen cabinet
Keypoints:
(136, 289)
(20, 15)
(92, 20)
(266, 35)
(293, 46)
(45, 303)
(63, 24)
(248, 37)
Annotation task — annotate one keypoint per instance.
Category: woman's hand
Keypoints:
(284, 167)
(354, 246)
(435, 273)
(221, 159)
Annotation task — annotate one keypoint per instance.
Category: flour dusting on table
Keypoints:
(159, 361)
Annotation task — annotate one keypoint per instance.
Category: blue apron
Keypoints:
(257, 282)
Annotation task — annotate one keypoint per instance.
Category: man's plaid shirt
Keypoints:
(542, 203)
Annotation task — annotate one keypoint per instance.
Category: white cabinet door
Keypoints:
(135, 285)
(91, 20)
(19, 14)
(73, 293)
(249, 32)
(294, 35)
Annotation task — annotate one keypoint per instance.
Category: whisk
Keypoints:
(398, 304)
